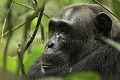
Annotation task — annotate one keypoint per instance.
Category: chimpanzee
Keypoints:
(73, 46)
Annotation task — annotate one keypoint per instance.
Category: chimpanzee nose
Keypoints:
(50, 45)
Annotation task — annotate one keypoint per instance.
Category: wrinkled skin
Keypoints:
(73, 47)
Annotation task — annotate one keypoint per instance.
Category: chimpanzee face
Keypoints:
(65, 40)
(57, 49)
(70, 32)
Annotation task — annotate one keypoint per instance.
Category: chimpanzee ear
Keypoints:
(104, 24)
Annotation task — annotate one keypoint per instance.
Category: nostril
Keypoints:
(50, 45)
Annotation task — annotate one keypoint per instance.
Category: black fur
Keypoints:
(72, 45)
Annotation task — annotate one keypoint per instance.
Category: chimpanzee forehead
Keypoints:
(66, 16)
(78, 10)
(74, 14)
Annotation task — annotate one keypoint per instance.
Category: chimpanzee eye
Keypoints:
(64, 30)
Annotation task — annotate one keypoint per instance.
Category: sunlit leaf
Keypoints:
(34, 21)
(11, 63)
(32, 57)
(83, 76)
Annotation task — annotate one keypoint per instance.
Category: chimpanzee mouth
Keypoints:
(56, 68)
(50, 65)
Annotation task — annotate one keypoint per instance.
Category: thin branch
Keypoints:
(20, 60)
(46, 15)
(21, 53)
(15, 28)
(34, 3)
(30, 8)
(9, 26)
(105, 8)
(26, 28)
(24, 48)
(24, 5)
(36, 28)
(18, 67)
(5, 23)
(42, 32)
(3, 29)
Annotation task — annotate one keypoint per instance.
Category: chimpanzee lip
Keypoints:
(50, 65)
(47, 65)
(49, 68)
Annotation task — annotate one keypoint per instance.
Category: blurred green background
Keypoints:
(20, 13)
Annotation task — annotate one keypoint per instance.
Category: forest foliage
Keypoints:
(22, 20)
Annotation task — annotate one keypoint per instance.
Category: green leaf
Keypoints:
(11, 63)
(50, 78)
(31, 58)
(105, 2)
(115, 6)
(83, 76)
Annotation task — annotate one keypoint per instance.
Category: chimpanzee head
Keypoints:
(72, 35)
